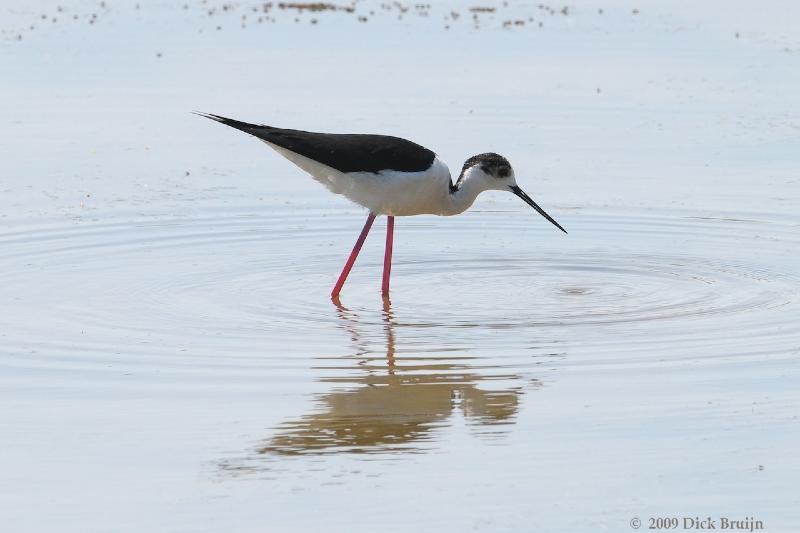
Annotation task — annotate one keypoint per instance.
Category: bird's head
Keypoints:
(494, 172)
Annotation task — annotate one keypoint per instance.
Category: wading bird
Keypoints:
(387, 175)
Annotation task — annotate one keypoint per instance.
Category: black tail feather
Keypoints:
(343, 152)
(252, 129)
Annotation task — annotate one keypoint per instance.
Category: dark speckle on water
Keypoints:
(575, 291)
(480, 13)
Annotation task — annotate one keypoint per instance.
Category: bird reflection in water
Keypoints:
(397, 403)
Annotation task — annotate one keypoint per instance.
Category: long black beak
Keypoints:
(528, 200)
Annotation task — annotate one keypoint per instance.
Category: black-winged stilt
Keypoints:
(387, 175)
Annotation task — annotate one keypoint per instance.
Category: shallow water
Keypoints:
(483, 331)
(171, 360)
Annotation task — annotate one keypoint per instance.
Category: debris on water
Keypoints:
(576, 290)
(481, 14)
(313, 6)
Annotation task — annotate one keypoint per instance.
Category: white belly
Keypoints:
(388, 193)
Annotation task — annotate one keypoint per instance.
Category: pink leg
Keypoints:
(387, 258)
(352, 259)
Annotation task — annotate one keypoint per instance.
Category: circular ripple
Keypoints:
(233, 283)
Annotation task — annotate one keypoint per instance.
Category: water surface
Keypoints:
(171, 359)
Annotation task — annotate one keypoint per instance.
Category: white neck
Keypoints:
(469, 187)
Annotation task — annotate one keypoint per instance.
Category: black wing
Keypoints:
(344, 152)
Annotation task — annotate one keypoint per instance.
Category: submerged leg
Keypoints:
(387, 258)
(352, 259)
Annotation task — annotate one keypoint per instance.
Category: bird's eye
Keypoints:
(503, 172)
